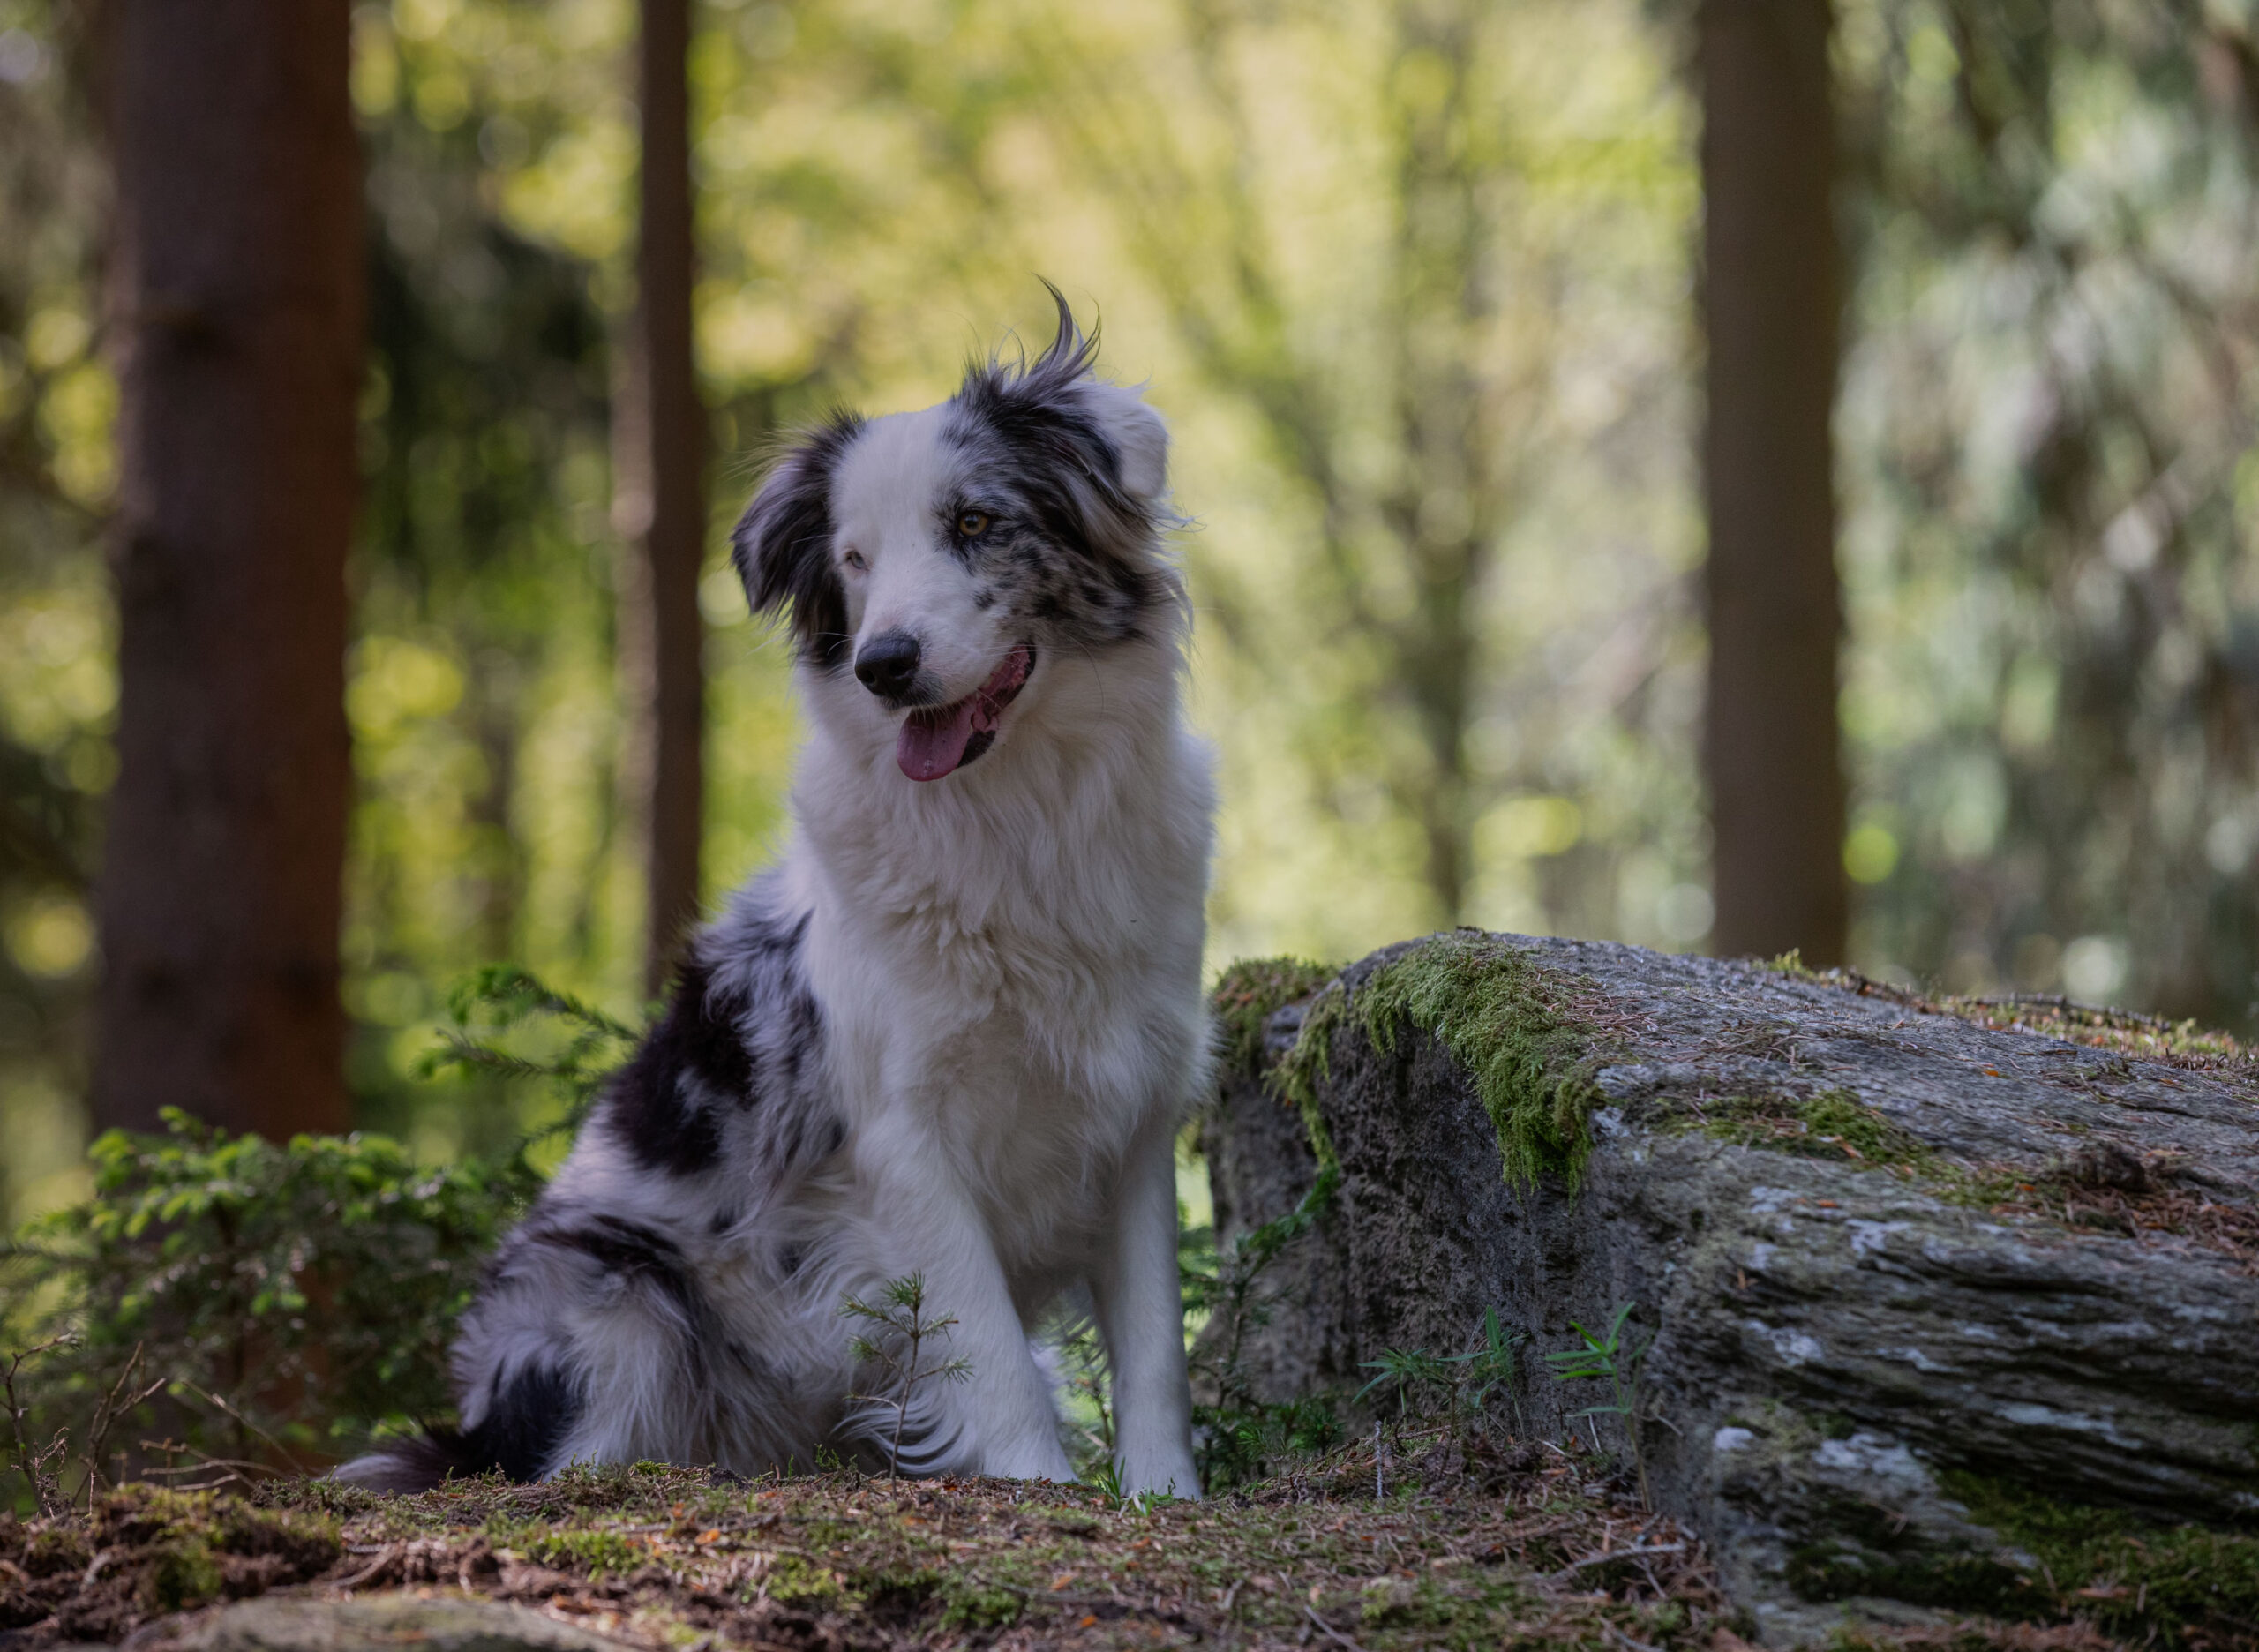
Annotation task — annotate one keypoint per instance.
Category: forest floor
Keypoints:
(1526, 1548)
(1529, 1547)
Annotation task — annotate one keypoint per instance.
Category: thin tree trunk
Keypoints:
(660, 442)
(237, 308)
(1772, 296)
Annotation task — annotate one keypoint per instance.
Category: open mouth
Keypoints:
(939, 739)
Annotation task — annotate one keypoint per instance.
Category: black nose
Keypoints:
(887, 664)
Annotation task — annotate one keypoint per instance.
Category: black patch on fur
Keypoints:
(1078, 538)
(526, 1420)
(649, 1106)
(788, 1023)
(782, 545)
(629, 1251)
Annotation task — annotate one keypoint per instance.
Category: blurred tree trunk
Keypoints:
(237, 307)
(1772, 298)
(659, 502)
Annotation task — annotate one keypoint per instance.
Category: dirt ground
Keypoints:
(1527, 1547)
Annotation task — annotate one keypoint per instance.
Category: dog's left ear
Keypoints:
(1140, 438)
(1101, 441)
(1132, 439)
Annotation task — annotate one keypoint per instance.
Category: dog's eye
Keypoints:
(972, 522)
(853, 560)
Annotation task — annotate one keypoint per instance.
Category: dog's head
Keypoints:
(942, 560)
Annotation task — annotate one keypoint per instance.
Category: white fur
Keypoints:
(1010, 960)
(1007, 962)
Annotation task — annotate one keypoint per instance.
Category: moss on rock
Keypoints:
(2165, 1585)
(1509, 1020)
(1249, 993)
(1834, 1124)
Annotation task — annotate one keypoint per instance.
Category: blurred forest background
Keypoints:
(1310, 224)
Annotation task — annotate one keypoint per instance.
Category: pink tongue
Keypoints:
(934, 742)
(927, 750)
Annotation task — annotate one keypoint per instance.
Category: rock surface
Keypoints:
(1901, 1271)
(373, 1623)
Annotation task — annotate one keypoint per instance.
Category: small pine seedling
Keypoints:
(895, 1345)
(1494, 1366)
(1406, 1368)
(1613, 1360)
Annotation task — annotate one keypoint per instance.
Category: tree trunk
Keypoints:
(237, 307)
(1772, 296)
(1908, 1278)
(660, 441)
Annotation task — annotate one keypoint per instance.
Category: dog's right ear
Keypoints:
(782, 545)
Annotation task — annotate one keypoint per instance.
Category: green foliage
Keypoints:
(1510, 1021)
(1238, 1435)
(597, 1549)
(1404, 1370)
(1467, 1381)
(290, 1298)
(583, 1043)
(1611, 1359)
(1241, 1443)
(1495, 1367)
(306, 1289)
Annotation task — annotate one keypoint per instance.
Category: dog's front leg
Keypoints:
(1141, 1315)
(999, 1420)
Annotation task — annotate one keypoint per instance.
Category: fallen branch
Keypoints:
(1328, 1630)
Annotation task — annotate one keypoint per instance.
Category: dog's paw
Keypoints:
(1162, 1474)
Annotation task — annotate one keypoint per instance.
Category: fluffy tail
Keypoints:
(408, 1466)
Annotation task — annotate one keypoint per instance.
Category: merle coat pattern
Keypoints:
(952, 1030)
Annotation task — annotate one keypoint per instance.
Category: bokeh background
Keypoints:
(2047, 476)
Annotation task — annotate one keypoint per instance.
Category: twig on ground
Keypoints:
(230, 1412)
(1328, 1630)
(233, 1466)
(1615, 1554)
(108, 1411)
(47, 1486)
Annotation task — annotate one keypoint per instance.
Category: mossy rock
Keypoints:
(1871, 1246)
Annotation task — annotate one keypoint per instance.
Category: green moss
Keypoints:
(598, 1551)
(1791, 963)
(969, 1603)
(1395, 1602)
(792, 1581)
(182, 1574)
(1834, 1124)
(1504, 1017)
(1249, 993)
(1842, 1567)
(2170, 1586)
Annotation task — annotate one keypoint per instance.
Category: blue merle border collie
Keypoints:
(951, 1032)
